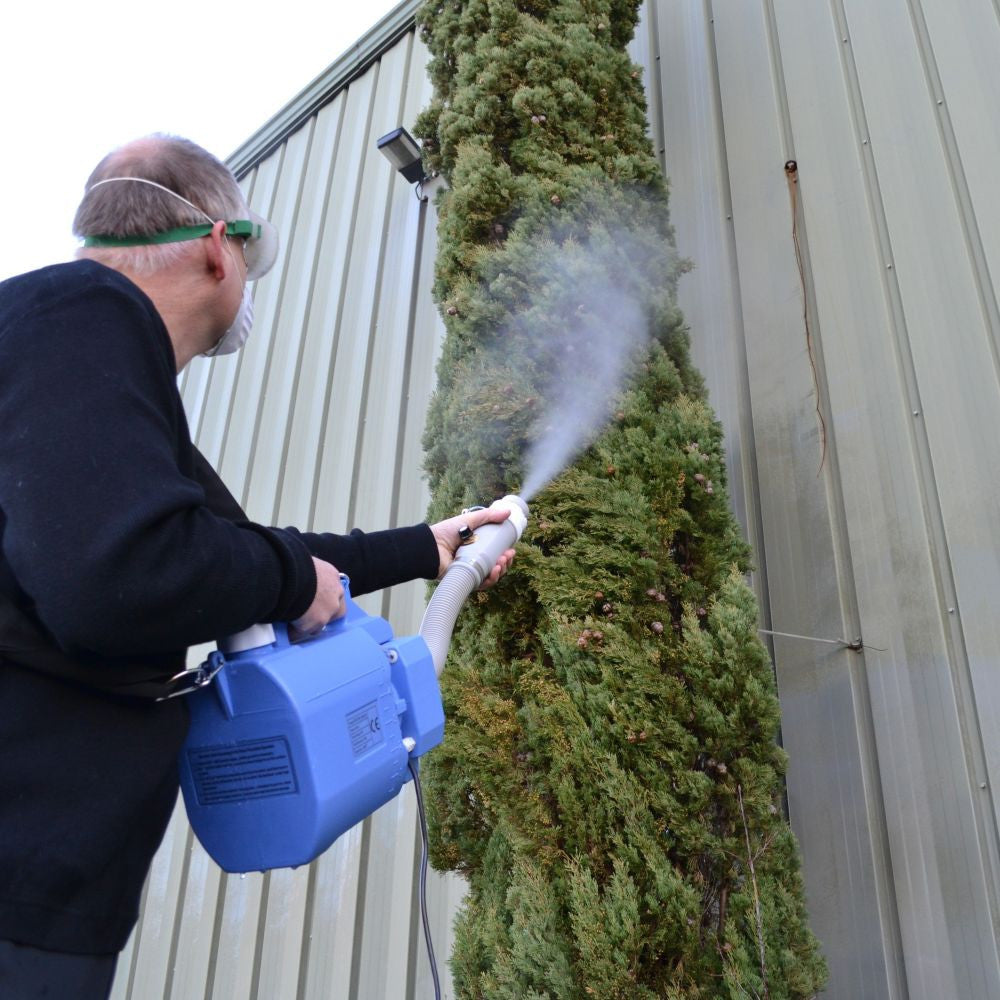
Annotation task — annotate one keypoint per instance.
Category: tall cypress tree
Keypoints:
(610, 781)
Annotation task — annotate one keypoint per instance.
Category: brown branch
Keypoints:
(792, 176)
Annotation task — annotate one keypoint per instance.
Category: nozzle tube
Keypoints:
(472, 565)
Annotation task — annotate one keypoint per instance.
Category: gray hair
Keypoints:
(123, 209)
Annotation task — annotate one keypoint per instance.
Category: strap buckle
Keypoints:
(196, 678)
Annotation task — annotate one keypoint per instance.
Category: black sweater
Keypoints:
(109, 542)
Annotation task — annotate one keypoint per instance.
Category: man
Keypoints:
(119, 547)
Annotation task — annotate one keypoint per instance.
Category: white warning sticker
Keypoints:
(365, 728)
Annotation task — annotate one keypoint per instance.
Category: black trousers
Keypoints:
(28, 973)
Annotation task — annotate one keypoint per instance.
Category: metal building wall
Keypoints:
(846, 320)
(858, 382)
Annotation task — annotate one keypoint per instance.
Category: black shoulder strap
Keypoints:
(24, 642)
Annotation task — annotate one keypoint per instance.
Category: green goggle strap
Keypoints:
(241, 227)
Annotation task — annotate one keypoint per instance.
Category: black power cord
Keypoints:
(415, 772)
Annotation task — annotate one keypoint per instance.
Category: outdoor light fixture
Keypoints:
(402, 151)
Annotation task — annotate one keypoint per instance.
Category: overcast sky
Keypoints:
(78, 79)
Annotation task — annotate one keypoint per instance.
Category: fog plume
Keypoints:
(585, 328)
(590, 359)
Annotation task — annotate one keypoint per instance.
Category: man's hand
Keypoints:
(448, 540)
(328, 603)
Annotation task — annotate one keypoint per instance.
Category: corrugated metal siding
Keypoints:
(860, 400)
(857, 378)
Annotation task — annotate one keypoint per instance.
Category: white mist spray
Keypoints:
(593, 360)
(580, 324)
(588, 356)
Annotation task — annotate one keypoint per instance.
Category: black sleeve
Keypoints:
(373, 561)
(114, 546)
(218, 499)
(377, 559)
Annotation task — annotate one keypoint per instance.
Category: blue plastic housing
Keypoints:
(294, 743)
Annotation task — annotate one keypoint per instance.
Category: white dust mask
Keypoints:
(236, 336)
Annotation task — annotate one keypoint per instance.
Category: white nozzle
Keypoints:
(492, 540)
(471, 567)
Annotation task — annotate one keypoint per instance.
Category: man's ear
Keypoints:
(218, 258)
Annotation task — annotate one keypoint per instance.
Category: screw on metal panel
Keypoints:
(888, 267)
(864, 142)
(916, 413)
(982, 784)
(951, 611)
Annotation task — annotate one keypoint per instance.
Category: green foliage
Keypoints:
(610, 782)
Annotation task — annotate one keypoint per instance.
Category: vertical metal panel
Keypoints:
(858, 384)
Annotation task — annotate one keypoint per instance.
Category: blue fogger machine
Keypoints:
(293, 743)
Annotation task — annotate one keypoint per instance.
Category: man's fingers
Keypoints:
(465, 524)
(501, 567)
(491, 515)
(329, 602)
